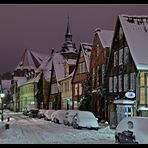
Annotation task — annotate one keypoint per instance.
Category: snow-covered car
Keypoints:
(132, 130)
(41, 113)
(58, 116)
(33, 113)
(25, 112)
(48, 114)
(69, 116)
(85, 119)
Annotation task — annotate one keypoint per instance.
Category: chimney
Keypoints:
(52, 51)
(97, 29)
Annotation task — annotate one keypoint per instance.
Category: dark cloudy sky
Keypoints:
(42, 26)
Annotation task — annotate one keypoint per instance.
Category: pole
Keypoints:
(1, 100)
(2, 110)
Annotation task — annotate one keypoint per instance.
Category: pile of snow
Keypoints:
(2, 126)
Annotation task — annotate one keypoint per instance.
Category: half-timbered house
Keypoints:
(128, 69)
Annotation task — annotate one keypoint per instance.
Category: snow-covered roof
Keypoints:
(135, 29)
(86, 49)
(33, 80)
(105, 36)
(58, 62)
(31, 60)
(71, 61)
(6, 84)
(142, 108)
(20, 80)
(46, 67)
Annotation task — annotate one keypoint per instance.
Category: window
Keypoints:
(103, 72)
(120, 56)
(132, 81)
(120, 82)
(97, 75)
(80, 89)
(115, 59)
(93, 76)
(97, 49)
(66, 86)
(76, 89)
(143, 88)
(110, 84)
(126, 55)
(82, 67)
(115, 83)
(81, 54)
(125, 82)
(54, 88)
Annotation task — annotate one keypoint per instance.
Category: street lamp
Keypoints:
(2, 95)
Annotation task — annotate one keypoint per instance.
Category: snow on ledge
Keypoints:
(124, 102)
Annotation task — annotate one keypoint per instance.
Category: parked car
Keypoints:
(41, 113)
(69, 116)
(58, 116)
(48, 114)
(33, 113)
(132, 130)
(85, 119)
(25, 112)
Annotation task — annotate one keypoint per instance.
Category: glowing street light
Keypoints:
(2, 95)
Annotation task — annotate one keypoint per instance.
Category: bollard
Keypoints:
(6, 126)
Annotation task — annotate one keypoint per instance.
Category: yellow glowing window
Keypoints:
(142, 79)
(142, 96)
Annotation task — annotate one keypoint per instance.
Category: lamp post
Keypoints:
(2, 95)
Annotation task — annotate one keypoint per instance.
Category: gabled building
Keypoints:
(98, 63)
(66, 85)
(43, 86)
(27, 93)
(24, 71)
(80, 73)
(128, 69)
(56, 76)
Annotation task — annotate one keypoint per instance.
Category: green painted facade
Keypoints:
(27, 95)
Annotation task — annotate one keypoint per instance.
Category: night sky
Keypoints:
(41, 27)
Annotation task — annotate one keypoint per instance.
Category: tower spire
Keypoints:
(68, 35)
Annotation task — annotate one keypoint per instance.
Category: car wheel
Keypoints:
(68, 124)
(117, 139)
(76, 126)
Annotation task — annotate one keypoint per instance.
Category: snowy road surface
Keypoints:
(25, 130)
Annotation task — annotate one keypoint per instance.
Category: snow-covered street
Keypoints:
(25, 130)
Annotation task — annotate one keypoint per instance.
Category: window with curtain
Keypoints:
(115, 83)
(110, 84)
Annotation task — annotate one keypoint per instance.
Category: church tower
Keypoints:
(69, 50)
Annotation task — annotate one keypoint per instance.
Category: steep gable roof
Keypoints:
(86, 49)
(58, 62)
(46, 67)
(105, 36)
(135, 29)
(31, 60)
